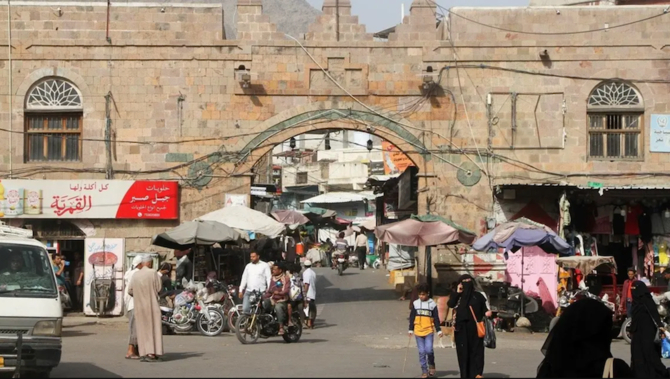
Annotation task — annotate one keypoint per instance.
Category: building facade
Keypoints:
(491, 97)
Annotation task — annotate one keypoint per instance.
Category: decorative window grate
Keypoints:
(54, 94)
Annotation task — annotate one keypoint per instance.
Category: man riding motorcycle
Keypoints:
(341, 246)
(277, 295)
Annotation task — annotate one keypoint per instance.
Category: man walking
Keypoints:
(136, 265)
(256, 277)
(309, 281)
(362, 249)
(144, 288)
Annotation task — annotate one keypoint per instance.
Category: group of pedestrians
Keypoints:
(579, 344)
(283, 287)
(143, 284)
(470, 308)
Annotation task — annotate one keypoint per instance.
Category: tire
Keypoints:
(244, 335)
(376, 264)
(214, 328)
(339, 270)
(553, 322)
(294, 332)
(233, 315)
(625, 330)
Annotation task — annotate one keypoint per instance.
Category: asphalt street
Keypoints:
(360, 332)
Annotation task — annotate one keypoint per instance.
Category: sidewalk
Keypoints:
(78, 319)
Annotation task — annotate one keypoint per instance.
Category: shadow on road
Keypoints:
(169, 357)
(302, 340)
(75, 333)
(338, 295)
(81, 370)
(79, 325)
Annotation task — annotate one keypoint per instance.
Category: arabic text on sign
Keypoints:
(71, 204)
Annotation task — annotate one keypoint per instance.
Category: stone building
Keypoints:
(153, 91)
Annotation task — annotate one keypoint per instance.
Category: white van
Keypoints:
(29, 305)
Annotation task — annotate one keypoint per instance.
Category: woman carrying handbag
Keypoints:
(469, 327)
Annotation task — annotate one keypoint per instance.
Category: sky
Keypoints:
(378, 15)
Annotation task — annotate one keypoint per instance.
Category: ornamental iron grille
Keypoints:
(54, 94)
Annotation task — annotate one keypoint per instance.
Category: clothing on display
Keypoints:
(618, 221)
(632, 220)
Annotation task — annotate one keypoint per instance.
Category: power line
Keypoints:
(665, 11)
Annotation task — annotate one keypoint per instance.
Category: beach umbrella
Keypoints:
(195, 233)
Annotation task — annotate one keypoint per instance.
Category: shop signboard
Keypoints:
(395, 161)
(103, 263)
(236, 199)
(89, 199)
(659, 133)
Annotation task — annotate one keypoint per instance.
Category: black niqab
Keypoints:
(645, 353)
(463, 311)
(579, 344)
(643, 305)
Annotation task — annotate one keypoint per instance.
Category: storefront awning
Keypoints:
(591, 186)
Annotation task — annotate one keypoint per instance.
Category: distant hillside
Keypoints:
(291, 16)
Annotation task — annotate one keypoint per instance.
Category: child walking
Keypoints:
(424, 320)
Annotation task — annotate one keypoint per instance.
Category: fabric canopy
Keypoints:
(339, 197)
(412, 232)
(194, 233)
(520, 233)
(290, 217)
(586, 264)
(245, 218)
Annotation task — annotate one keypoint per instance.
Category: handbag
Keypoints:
(608, 372)
(657, 337)
(490, 338)
(481, 328)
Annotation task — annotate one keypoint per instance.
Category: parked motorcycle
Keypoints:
(65, 300)
(190, 310)
(226, 300)
(262, 323)
(505, 300)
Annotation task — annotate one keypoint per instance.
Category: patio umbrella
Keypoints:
(193, 233)
(520, 233)
(413, 232)
(290, 217)
(245, 218)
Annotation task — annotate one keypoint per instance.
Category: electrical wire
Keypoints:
(376, 112)
(603, 29)
(546, 74)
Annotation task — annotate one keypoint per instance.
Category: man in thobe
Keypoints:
(144, 288)
(136, 265)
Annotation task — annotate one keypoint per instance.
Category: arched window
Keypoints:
(615, 111)
(53, 121)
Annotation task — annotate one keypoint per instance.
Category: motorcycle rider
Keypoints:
(341, 246)
(277, 295)
(256, 277)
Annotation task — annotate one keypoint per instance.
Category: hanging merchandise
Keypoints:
(564, 218)
(663, 253)
(632, 220)
(619, 220)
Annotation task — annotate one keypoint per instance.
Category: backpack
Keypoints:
(295, 294)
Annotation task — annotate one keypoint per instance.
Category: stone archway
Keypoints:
(297, 121)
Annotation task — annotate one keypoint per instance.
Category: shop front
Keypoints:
(74, 218)
(629, 223)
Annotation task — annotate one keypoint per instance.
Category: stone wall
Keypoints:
(176, 92)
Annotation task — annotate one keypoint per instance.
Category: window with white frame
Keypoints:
(53, 122)
(615, 119)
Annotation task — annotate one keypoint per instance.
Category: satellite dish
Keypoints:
(200, 174)
(469, 174)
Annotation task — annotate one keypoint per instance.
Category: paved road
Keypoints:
(360, 333)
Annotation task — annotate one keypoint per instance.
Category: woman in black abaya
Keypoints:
(469, 346)
(645, 354)
(579, 345)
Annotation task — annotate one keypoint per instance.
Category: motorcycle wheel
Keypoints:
(625, 330)
(339, 270)
(245, 333)
(214, 328)
(294, 332)
(233, 315)
(376, 265)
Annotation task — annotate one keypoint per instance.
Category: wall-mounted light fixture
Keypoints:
(427, 82)
(245, 80)
(369, 145)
